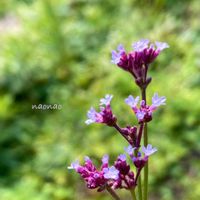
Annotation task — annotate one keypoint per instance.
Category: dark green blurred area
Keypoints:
(58, 52)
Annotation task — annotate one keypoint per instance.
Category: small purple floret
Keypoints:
(157, 101)
(105, 115)
(106, 100)
(116, 56)
(111, 173)
(161, 45)
(149, 150)
(74, 165)
(129, 150)
(131, 101)
(140, 45)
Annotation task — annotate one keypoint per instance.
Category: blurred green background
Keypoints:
(58, 52)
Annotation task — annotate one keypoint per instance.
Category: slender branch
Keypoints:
(139, 135)
(112, 193)
(138, 175)
(120, 131)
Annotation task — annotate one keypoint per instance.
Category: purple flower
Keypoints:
(157, 101)
(131, 101)
(111, 173)
(129, 150)
(74, 165)
(140, 45)
(161, 45)
(122, 157)
(106, 101)
(96, 178)
(149, 150)
(105, 160)
(137, 61)
(140, 115)
(105, 115)
(116, 56)
(93, 116)
(144, 112)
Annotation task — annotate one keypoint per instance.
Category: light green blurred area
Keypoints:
(58, 52)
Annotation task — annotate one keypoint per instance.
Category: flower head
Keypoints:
(74, 165)
(149, 150)
(161, 45)
(144, 112)
(106, 101)
(157, 101)
(111, 173)
(140, 45)
(105, 115)
(129, 150)
(131, 101)
(137, 61)
(116, 56)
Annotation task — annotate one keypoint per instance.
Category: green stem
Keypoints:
(138, 179)
(139, 188)
(146, 168)
(133, 194)
(143, 91)
(112, 193)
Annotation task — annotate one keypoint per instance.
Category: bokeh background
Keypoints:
(58, 52)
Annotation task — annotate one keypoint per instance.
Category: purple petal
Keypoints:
(161, 45)
(140, 115)
(74, 165)
(140, 45)
(91, 114)
(122, 157)
(105, 159)
(115, 57)
(111, 173)
(149, 150)
(131, 101)
(129, 150)
(87, 159)
(157, 101)
(120, 48)
(106, 100)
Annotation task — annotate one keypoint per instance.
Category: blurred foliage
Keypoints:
(58, 51)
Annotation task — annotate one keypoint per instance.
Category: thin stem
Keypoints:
(140, 188)
(133, 194)
(146, 168)
(143, 91)
(112, 193)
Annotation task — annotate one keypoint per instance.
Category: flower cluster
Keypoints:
(144, 113)
(120, 175)
(105, 115)
(117, 176)
(137, 61)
